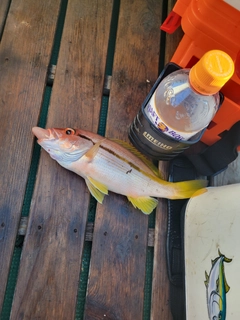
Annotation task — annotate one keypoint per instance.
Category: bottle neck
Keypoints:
(195, 90)
(196, 87)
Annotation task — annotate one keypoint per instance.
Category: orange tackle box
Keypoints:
(207, 25)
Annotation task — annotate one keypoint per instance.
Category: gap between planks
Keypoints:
(89, 231)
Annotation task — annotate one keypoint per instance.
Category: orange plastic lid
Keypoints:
(211, 72)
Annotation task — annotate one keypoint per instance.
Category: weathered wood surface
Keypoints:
(52, 254)
(89, 231)
(4, 6)
(57, 227)
(117, 273)
(25, 51)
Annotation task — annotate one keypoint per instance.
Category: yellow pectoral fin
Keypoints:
(95, 192)
(145, 204)
(91, 153)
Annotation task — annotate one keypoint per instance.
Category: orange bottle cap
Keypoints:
(211, 72)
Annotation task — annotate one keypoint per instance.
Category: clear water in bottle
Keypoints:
(178, 110)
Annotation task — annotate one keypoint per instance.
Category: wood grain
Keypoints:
(24, 57)
(89, 231)
(51, 259)
(117, 273)
(4, 5)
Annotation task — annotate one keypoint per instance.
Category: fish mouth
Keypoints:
(41, 133)
(46, 139)
(44, 134)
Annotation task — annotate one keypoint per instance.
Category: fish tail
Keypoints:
(225, 259)
(187, 189)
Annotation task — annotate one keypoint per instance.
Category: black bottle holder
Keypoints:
(150, 140)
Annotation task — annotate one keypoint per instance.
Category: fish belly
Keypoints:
(118, 176)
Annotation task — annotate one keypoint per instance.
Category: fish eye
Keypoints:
(69, 131)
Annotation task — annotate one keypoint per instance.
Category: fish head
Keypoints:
(63, 145)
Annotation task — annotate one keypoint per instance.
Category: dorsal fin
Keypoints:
(207, 279)
(137, 153)
(214, 261)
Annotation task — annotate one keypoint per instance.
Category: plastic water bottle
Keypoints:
(186, 100)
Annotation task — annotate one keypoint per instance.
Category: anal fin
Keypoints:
(100, 186)
(145, 204)
(95, 192)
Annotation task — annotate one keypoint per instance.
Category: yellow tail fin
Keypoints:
(187, 189)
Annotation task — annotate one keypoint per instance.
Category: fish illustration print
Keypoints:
(217, 288)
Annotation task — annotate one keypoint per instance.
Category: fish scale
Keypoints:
(110, 166)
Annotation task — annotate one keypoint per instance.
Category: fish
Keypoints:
(112, 165)
(217, 288)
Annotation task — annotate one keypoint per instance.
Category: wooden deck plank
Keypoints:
(117, 273)
(160, 288)
(51, 259)
(24, 57)
(4, 5)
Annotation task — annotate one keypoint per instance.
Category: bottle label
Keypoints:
(156, 119)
